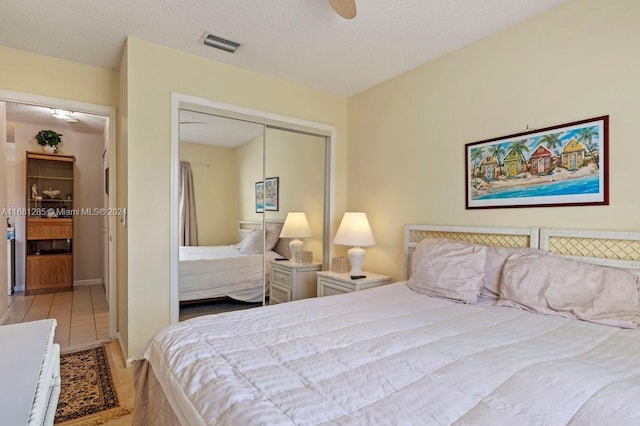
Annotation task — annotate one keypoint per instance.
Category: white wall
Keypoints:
(87, 232)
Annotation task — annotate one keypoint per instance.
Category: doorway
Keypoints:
(107, 116)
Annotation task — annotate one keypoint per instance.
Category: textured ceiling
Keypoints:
(87, 123)
(196, 127)
(296, 40)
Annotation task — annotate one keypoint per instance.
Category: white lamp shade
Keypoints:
(354, 231)
(296, 226)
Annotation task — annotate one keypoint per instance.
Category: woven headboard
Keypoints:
(501, 237)
(616, 249)
(608, 248)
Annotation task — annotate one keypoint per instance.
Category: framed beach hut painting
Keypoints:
(564, 165)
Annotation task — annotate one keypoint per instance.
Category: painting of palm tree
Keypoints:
(498, 152)
(559, 165)
(585, 136)
(477, 154)
(551, 141)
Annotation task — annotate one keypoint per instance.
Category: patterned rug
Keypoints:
(88, 394)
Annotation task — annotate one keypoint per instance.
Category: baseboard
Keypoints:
(88, 282)
(125, 355)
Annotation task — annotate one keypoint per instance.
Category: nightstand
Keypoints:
(292, 281)
(330, 283)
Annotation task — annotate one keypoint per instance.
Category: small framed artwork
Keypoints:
(259, 197)
(271, 194)
(563, 165)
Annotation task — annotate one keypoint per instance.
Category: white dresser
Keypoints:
(292, 281)
(30, 373)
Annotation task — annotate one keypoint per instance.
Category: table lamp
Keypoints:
(295, 226)
(354, 230)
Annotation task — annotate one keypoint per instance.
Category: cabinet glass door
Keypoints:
(49, 188)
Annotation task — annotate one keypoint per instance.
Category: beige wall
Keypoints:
(152, 73)
(249, 165)
(215, 180)
(87, 239)
(22, 71)
(407, 135)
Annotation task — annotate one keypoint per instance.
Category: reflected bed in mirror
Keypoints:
(233, 274)
(236, 271)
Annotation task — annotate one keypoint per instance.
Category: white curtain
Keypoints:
(188, 222)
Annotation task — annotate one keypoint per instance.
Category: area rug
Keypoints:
(88, 394)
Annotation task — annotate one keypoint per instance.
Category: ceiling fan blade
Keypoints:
(344, 8)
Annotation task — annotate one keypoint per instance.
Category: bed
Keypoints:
(239, 271)
(391, 355)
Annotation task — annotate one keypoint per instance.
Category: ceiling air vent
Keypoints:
(219, 42)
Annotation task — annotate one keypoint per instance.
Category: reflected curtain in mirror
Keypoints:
(188, 223)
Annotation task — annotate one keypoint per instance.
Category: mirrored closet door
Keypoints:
(238, 183)
(221, 263)
(294, 197)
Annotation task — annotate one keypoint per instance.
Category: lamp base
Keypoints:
(356, 258)
(295, 246)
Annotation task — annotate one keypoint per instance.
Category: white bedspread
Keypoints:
(392, 356)
(214, 271)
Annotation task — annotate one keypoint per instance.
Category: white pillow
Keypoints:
(496, 256)
(557, 286)
(449, 269)
(273, 233)
(253, 243)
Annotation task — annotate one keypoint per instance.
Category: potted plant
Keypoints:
(50, 140)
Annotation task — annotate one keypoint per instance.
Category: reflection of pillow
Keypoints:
(556, 286)
(273, 233)
(253, 244)
(449, 269)
(496, 256)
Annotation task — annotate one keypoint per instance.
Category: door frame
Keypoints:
(269, 119)
(104, 111)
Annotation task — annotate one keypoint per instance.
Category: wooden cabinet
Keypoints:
(49, 224)
(292, 281)
(331, 283)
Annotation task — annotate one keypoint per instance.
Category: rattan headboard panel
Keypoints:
(610, 248)
(501, 237)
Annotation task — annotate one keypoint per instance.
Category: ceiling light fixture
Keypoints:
(219, 43)
(63, 114)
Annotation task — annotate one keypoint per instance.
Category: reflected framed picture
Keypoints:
(563, 165)
(259, 197)
(271, 196)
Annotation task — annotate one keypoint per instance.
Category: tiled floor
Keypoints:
(82, 314)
